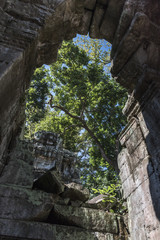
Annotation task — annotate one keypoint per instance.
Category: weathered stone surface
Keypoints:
(41, 231)
(96, 203)
(75, 192)
(140, 166)
(19, 170)
(19, 203)
(49, 155)
(48, 138)
(90, 219)
(111, 19)
(49, 182)
(24, 204)
(31, 33)
(85, 22)
(96, 22)
(90, 4)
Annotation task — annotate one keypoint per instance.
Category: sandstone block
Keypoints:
(24, 204)
(19, 170)
(49, 182)
(96, 21)
(42, 231)
(90, 4)
(75, 192)
(111, 19)
(96, 202)
(103, 2)
(86, 22)
(90, 219)
(134, 140)
(48, 138)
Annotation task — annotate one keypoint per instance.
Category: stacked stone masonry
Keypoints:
(49, 204)
(31, 33)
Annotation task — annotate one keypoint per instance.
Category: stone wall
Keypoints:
(31, 33)
(139, 165)
(50, 204)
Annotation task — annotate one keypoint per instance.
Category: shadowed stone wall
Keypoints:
(31, 33)
(41, 201)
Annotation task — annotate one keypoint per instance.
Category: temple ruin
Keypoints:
(31, 32)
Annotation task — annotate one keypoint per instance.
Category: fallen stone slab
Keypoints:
(75, 192)
(86, 218)
(24, 204)
(13, 229)
(49, 182)
(96, 202)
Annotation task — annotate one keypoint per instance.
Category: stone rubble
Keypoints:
(31, 32)
(49, 208)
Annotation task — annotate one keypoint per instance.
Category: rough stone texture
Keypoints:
(19, 170)
(23, 206)
(49, 182)
(86, 218)
(41, 231)
(50, 154)
(75, 192)
(97, 203)
(31, 33)
(139, 165)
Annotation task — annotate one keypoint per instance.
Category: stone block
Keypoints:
(48, 138)
(153, 233)
(19, 170)
(14, 229)
(151, 114)
(143, 125)
(124, 164)
(150, 219)
(1, 168)
(75, 191)
(86, 22)
(137, 177)
(96, 202)
(138, 155)
(130, 42)
(90, 4)
(49, 182)
(96, 21)
(139, 199)
(127, 132)
(134, 140)
(128, 187)
(24, 204)
(124, 172)
(138, 227)
(76, 203)
(89, 219)
(111, 19)
(103, 2)
(2, 3)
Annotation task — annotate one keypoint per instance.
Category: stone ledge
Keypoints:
(86, 218)
(24, 204)
(43, 231)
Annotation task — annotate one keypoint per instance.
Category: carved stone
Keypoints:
(31, 33)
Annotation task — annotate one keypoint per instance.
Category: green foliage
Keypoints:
(86, 109)
(113, 198)
(36, 98)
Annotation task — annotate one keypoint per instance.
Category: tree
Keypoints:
(86, 110)
(83, 92)
(36, 99)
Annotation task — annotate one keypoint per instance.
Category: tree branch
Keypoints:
(91, 133)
